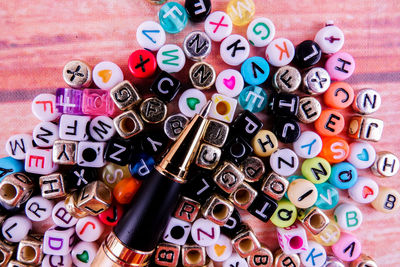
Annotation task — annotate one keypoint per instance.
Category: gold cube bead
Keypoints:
(14, 263)
(52, 186)
(128, 124)
(243, 196)
(6, 253)
(71, 205)
(217, 209)
(95, 198)
(386, 164)
(261, 257)
(30, 250)
(208, 156)
(153, 110)
(282, 259)
(246, 242)
(167, 254)
(15, 189)
(193, 256)
(365, 128)
(313, 219)
(125, 95)
(253, 169)
(275, 186)
(216, 133)
(228, 177)
(64, 152)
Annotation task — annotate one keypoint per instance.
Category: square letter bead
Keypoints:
(91, 154)
(95, 198)
(208, 156)
(237, 149)
(187, 209)
(52, 186)
(263, 207)
(125, 95)
(167, 254)
(69, 101)
(216, 133)
(228, 177)
(177, 231)
(292, 239)
(64, 152)
(119, 151)
(30, 250)
(73, 127)
(128, 124)
(15, 188)
(58, 241)
(40, 161)
(165, 86)
(223, 107)
(97, 102)
(246, 125)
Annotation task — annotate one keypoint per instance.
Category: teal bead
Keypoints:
(328, 196)
(10, 165)
(253, 98)
(255, 70)
(343, 175)
(173, 17)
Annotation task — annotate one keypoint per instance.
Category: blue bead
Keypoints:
(328, 196)
(141, 166)
(173, 17)
(10, 165)
(343, 175)
(253, 98)
(255, 70)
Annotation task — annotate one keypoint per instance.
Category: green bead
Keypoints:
(285, 215)
(317, 170)
(328, 196)
(173, 17)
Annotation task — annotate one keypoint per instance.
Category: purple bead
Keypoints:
(69, 101)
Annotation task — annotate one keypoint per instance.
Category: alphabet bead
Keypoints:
(302, 193)
(313, 220)
(348, 248)
(39, 161)
(255, 70)
(221, 250)
(234, 49)
(284, 104)
(61, 217)
(58, 241)
(245, 242)
(191, 102)
(334, 149)
(101, 128)
(309, 145)
(329, 123)
(243, 196)
(79, 176)
(197, 45)
(17, 145)
(328, 196)
(198, 10)
(30, 250)
(167, 254)
(340, 66)
(387, 200)
(292, 239)
(217, 210)
(170, 58)
(365, 128)
(124, 95)
(107, 74)
(202, 75)
(174, 125)
(241, 11)
(307, 54)
(91, 154)
(77, 74)
(362, 155)
(38, 209)
(262, 256)
(173, 17)
(228, 177)
(253, 169)
(187, 209)
(141, 166)
(153, 110)
(287, 130)
(205, 232)
(253, 99)
(274, 186)
(286, 79)
(45, 134)
(339, 95)
(229, 82)
(316, 81)
(150, 35)
(386, 164)
(317, 170)
(84, 253)
(237, 149)
(348, 217)
(15, 189)
(126, 189)
(363, 260)
(177, 231)
(329, 235)
(218, 25)
(112, 215)
(284, 161)
(194, 255)
(69, 101)
(118, 151)
(343, 175)
(200, 188)
(235, 260)
(44, 107)
(16, 228)
(216, 133)
(364, 191)
(208, 156)
(285, 215)
(314, 256)
(233, 225)
(73, 127)
(97, 102)
(260, 32)
(282, 259)
(128, 124)
(89, 229)
(309, 109)
(223, 107)
(165, 86)
(279, 52)
(52, 186)
(9, 165)
(263, 207)
(57, 261)
(71, 205)
(330, 38)
(367, 101)
(95, 198)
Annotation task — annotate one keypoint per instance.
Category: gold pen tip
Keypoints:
(206, 109)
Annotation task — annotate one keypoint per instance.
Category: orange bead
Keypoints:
(125, 190)
(330, 123)
(334, 149)
(339, 95)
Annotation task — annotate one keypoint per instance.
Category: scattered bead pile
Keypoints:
(93, 149)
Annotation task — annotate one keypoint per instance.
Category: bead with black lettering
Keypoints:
(307, 54)
(165, 86)
(309, 109)
(197, 45)
(367, 101)
(198, 10)
(94, 198)
(275, 186)
(208, 156)
(119, 151)
(228, 177)
(245, 242)
(386, 164)
(45, 134)
(282, 259)
(187, 209)
(91, 154)
(316, 81)
(246, 125)
(174, 125)
(216, 133)
(101, 128)
(263, 207)
(153, 110)
(284, 161)
(365, 128)
(16, 228)
(237, 149)
(167, 254)
(286, 79)
(52, 186)
(287, 130)
(38, 208)
(125, 95)
(261, 257)
(202, 75)
(253, 169)
(176, 231)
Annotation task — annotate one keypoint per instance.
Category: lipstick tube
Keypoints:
(136, 235)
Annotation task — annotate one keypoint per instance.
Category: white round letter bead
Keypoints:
(61, 217)
(45, 133)
(44, 107)
(234, 50)
(57, 261)
(280, 52)
(191, 102)
(348, 216)
(314, 256)
(284, 161)
(221, 250)
(16, 228)
(107, 74)
(308, 146)
(330, 39)
(170, 58)
(177, 231)
(204, 232)
(362, 155)
(236, 261)
(38, 209)
(84, 253)
(218, 25)
(260, 32)
(229, 82)
(89, 228)
(102, 128)
(150, 35)
(364, 191)
(17, 145)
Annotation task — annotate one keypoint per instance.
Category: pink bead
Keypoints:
(340, 66)
(348, 248)
(97, 102)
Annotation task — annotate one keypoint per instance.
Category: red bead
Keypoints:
(112, 215)
(142, 63)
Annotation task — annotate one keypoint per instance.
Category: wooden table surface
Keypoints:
(39, 37)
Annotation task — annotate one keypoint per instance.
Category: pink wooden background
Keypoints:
(38, 37)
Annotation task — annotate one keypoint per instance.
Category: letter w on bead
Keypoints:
(245, 4)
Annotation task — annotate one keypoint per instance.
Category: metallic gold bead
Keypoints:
(364, 261)
(261, 257)
(243, 196)
(6, 252)
(284, 260)
(193, 256)
(153, 110)
(77, 74)
(316, 81)
(313, 219)
(245, 242)
(174, 125)
(95, 198)
(365, 128)
(167, 254)
(71, 205)
(30, 250)
(208, 156)
(332, 261)
(286, 79)
(187, 209)
(14, 263)
(275, 186)
(253, 169)
(15, 189)
(216, 133)
(52, 186)
(125, 95)
(128, 124)
(217, 209)
(309, 109)
(386, 164)
(228, 177)
(64, 152)
(202, 75)
(197, 45)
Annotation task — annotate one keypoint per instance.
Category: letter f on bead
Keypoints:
(171, 12)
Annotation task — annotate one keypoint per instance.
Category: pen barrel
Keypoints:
(142, 225)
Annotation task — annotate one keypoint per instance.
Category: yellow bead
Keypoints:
(329, 236)
(112, 173)
(388, 200)
(285, 215)
(317, 170)
(241, 11)
(264, 143)
(302, 193)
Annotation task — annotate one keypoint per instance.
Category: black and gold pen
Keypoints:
(136, 235)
